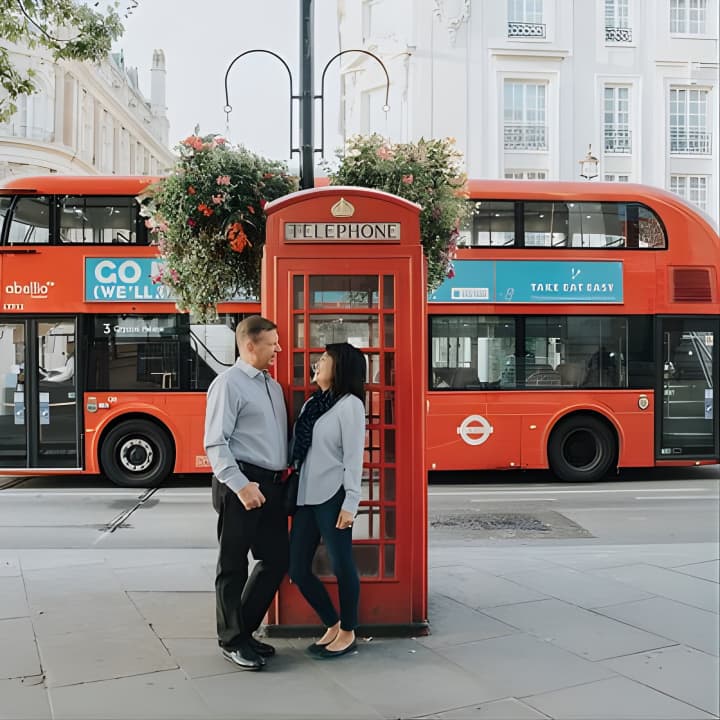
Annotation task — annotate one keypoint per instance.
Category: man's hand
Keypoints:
(251, 497)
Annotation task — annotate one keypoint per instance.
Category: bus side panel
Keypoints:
(634, 427)
(182, 414)
(483, 431)
(462, 436)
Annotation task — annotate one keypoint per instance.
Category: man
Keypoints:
(246, 443)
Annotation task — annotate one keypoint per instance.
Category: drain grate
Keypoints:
(545, 523)
(512, 521)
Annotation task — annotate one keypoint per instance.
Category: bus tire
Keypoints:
(137, 454)
(582, 448)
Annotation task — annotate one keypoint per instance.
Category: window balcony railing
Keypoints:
(519, 136)
(526, 30)
(694, 142)
(617, 141)
(618, 34)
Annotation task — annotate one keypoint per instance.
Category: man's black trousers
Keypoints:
(241, 602)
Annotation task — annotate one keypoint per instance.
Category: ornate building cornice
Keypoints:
(453, 23)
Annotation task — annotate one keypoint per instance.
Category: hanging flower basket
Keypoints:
(428, 173)
(208, 221)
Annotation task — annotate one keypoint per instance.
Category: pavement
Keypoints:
(567, 629)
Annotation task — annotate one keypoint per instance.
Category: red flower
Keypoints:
(191, 190)
(237, 237)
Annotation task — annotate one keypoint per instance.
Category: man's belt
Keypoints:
(259, 474)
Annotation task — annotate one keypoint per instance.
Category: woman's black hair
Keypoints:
(348, 370)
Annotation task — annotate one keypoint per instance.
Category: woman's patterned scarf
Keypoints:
(318, 403)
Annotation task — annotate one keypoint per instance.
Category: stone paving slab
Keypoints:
(683, 673)
(706, 570)
(613, 699)
(478, 589)
(178, 614)
(18, 651)
(293, 686)
(668, 583)
(676, 621)
(24, 700)
(158, 695)
(13, 603)
(170, 577)
(9, 567)
(507, 709)
(455, 623)
(519, 665)
(577, 587)
(103, 654)
(580, 631)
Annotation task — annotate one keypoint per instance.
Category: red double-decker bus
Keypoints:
(99, 373)
(580, 333)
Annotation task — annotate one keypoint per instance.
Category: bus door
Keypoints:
(688, 422)
(38, 412)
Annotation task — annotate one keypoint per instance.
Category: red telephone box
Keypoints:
(346, 264)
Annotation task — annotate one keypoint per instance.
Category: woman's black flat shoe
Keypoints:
(316, 648)
(324, 654)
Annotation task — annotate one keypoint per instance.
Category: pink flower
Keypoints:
(217, 199)
(223, 180)
(191, 222)
(408, 179)
(451, 273)
(385, 152)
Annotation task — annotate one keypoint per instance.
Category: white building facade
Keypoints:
(527, 86)
(86, 119)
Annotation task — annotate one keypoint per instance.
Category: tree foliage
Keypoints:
(69, 29)
(428, 173)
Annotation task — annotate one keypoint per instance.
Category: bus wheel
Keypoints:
(582, 448)
(137, 454)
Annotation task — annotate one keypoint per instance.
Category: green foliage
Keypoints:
(208, 217)
(428, 173)
(70, 30)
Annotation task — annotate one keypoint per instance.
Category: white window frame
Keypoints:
(526, 120)
(515, 174)
(618, 25)
(616, 119)
(689, 104)
(693, 188)
(616, 177)
(526, 19)
(688, 17)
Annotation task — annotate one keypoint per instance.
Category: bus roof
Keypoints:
(76, 185)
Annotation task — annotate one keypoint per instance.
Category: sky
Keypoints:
(200, 40)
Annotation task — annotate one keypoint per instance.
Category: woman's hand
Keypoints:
(344, 521)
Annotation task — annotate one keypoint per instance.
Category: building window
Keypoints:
(526, 175)
(688, 16)
(617, 21)
(610, 177)
(692, 188)
(525, 19)
(524, 116)
(688, 122)
(617, 120)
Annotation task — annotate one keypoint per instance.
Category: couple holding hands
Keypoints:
(246, 440)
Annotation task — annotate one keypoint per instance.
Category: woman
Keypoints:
(328, 447)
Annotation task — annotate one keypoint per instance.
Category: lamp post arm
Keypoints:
(228, 107)
(321, 96)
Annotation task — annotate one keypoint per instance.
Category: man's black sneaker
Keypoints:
(245, 658)
(262, 649)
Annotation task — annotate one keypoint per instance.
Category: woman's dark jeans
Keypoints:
(311, 522)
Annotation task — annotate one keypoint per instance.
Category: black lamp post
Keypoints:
(306, 96)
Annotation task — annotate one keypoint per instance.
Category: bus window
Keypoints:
(597, 225)
(650, 232)
(470, 351)
(100, 220)
(546, 224)
(489, 224)
(30, 221)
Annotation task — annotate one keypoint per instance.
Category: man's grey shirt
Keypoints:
(241, 423)
(335, 457)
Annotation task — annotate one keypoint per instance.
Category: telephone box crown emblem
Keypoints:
(342, 208)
